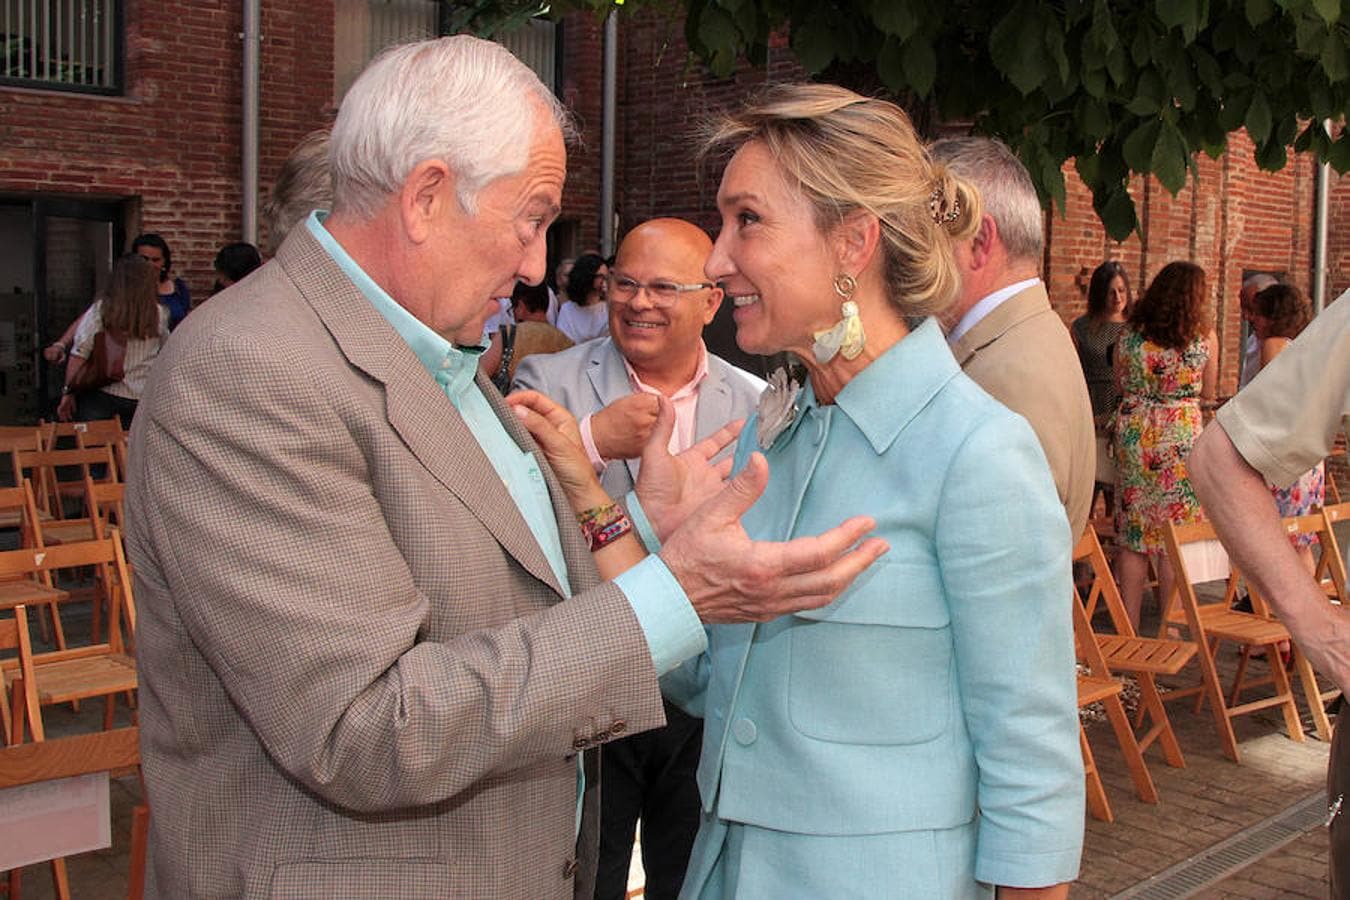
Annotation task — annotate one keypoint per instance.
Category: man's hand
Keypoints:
(730, 578)
(555, 431)
(670, 487)
(620, 430)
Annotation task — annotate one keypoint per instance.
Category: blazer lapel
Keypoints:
(609, 378)
(714, 403)
(416, 406)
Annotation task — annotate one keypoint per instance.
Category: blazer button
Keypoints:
(569, 868)
(745, 732)
(580, 743)
(619, 727)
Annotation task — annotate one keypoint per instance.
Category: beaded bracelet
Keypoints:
(603, 525)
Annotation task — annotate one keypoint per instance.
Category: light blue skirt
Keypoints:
(733, 860)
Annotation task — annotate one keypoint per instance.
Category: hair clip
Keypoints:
(936, 201)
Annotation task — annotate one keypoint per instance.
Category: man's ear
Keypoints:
(424, 197)
(711, 305)
(856, 238)
(982, 245)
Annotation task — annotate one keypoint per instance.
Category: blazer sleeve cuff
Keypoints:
(1016, 866)
(668, 621)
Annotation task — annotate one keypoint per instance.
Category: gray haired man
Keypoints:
(376, 652)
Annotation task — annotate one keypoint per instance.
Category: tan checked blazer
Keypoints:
(1022, 354)
(359, 676)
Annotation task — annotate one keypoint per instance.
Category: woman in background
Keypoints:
(173, 291)
(1279, 314)
(131, 315)
(1165, 368)
(585, 316)
(1094, 336)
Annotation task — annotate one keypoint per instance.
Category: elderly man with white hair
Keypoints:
(376, 650)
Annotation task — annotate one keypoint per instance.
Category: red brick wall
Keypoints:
(583, 60)
(173, 139)
(663, 97)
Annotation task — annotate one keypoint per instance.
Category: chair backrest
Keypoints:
(1198, 557)
(1332, 562)
(19, 437)
(98, 433)
(106, 554)
(14, 636)
(41, 466)
(1104, 589)
(19, 502)
(84, 754)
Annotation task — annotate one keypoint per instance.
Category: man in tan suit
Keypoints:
(376, 653)
(1002, 329)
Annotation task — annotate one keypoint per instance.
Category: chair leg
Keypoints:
(1150, 700)
(1284, 689)
(1202, 696)
(1240, 675)
(1311, 694)
(15, 883)
(1213, 692)
(1129, 748)
(140, 838)
(56, 627)
(1096, 795)
(60, 882)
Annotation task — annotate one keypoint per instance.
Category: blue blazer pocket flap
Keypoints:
(900, 594)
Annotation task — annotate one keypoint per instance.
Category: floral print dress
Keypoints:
(1158, 422)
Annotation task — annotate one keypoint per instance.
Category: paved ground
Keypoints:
(1200, 805)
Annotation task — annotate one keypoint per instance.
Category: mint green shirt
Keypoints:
(669, 623)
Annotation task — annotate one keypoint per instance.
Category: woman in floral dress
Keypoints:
(1165, 367)
(1279, 314)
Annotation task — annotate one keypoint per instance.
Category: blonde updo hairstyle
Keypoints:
(845, 153)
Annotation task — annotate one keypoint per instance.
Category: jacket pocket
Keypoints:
(875, 666)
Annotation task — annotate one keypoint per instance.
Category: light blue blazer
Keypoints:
(939, 690)
(590, 376)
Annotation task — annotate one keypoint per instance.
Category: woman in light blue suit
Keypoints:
(918, 737)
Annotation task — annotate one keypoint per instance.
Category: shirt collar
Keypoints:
(987, 305)
(453, 368)
(700, 373)
(883, 398)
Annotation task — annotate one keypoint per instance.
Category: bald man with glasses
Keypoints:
(658, 304)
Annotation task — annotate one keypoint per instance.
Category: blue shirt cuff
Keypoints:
(641, 524)
(668, 621)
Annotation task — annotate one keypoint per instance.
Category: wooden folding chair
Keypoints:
(39, 590)
(14, 438)
(99, 670)
(106, 751)
(1099, 687)
(1331, 564)
(41, 466)
(86, 435)
(1210, 624)
(1124, 651)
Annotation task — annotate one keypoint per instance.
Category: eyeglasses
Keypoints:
(662, 294)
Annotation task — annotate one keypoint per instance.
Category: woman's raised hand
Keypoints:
(670, 487)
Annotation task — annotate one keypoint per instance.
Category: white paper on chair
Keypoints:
(1205, 561)
(54, 818)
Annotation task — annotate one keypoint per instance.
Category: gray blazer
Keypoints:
(590, 376)
(359, 677)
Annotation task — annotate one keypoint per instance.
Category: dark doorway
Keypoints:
(55, 256)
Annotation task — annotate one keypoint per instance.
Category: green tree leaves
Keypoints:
(1120, 86)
